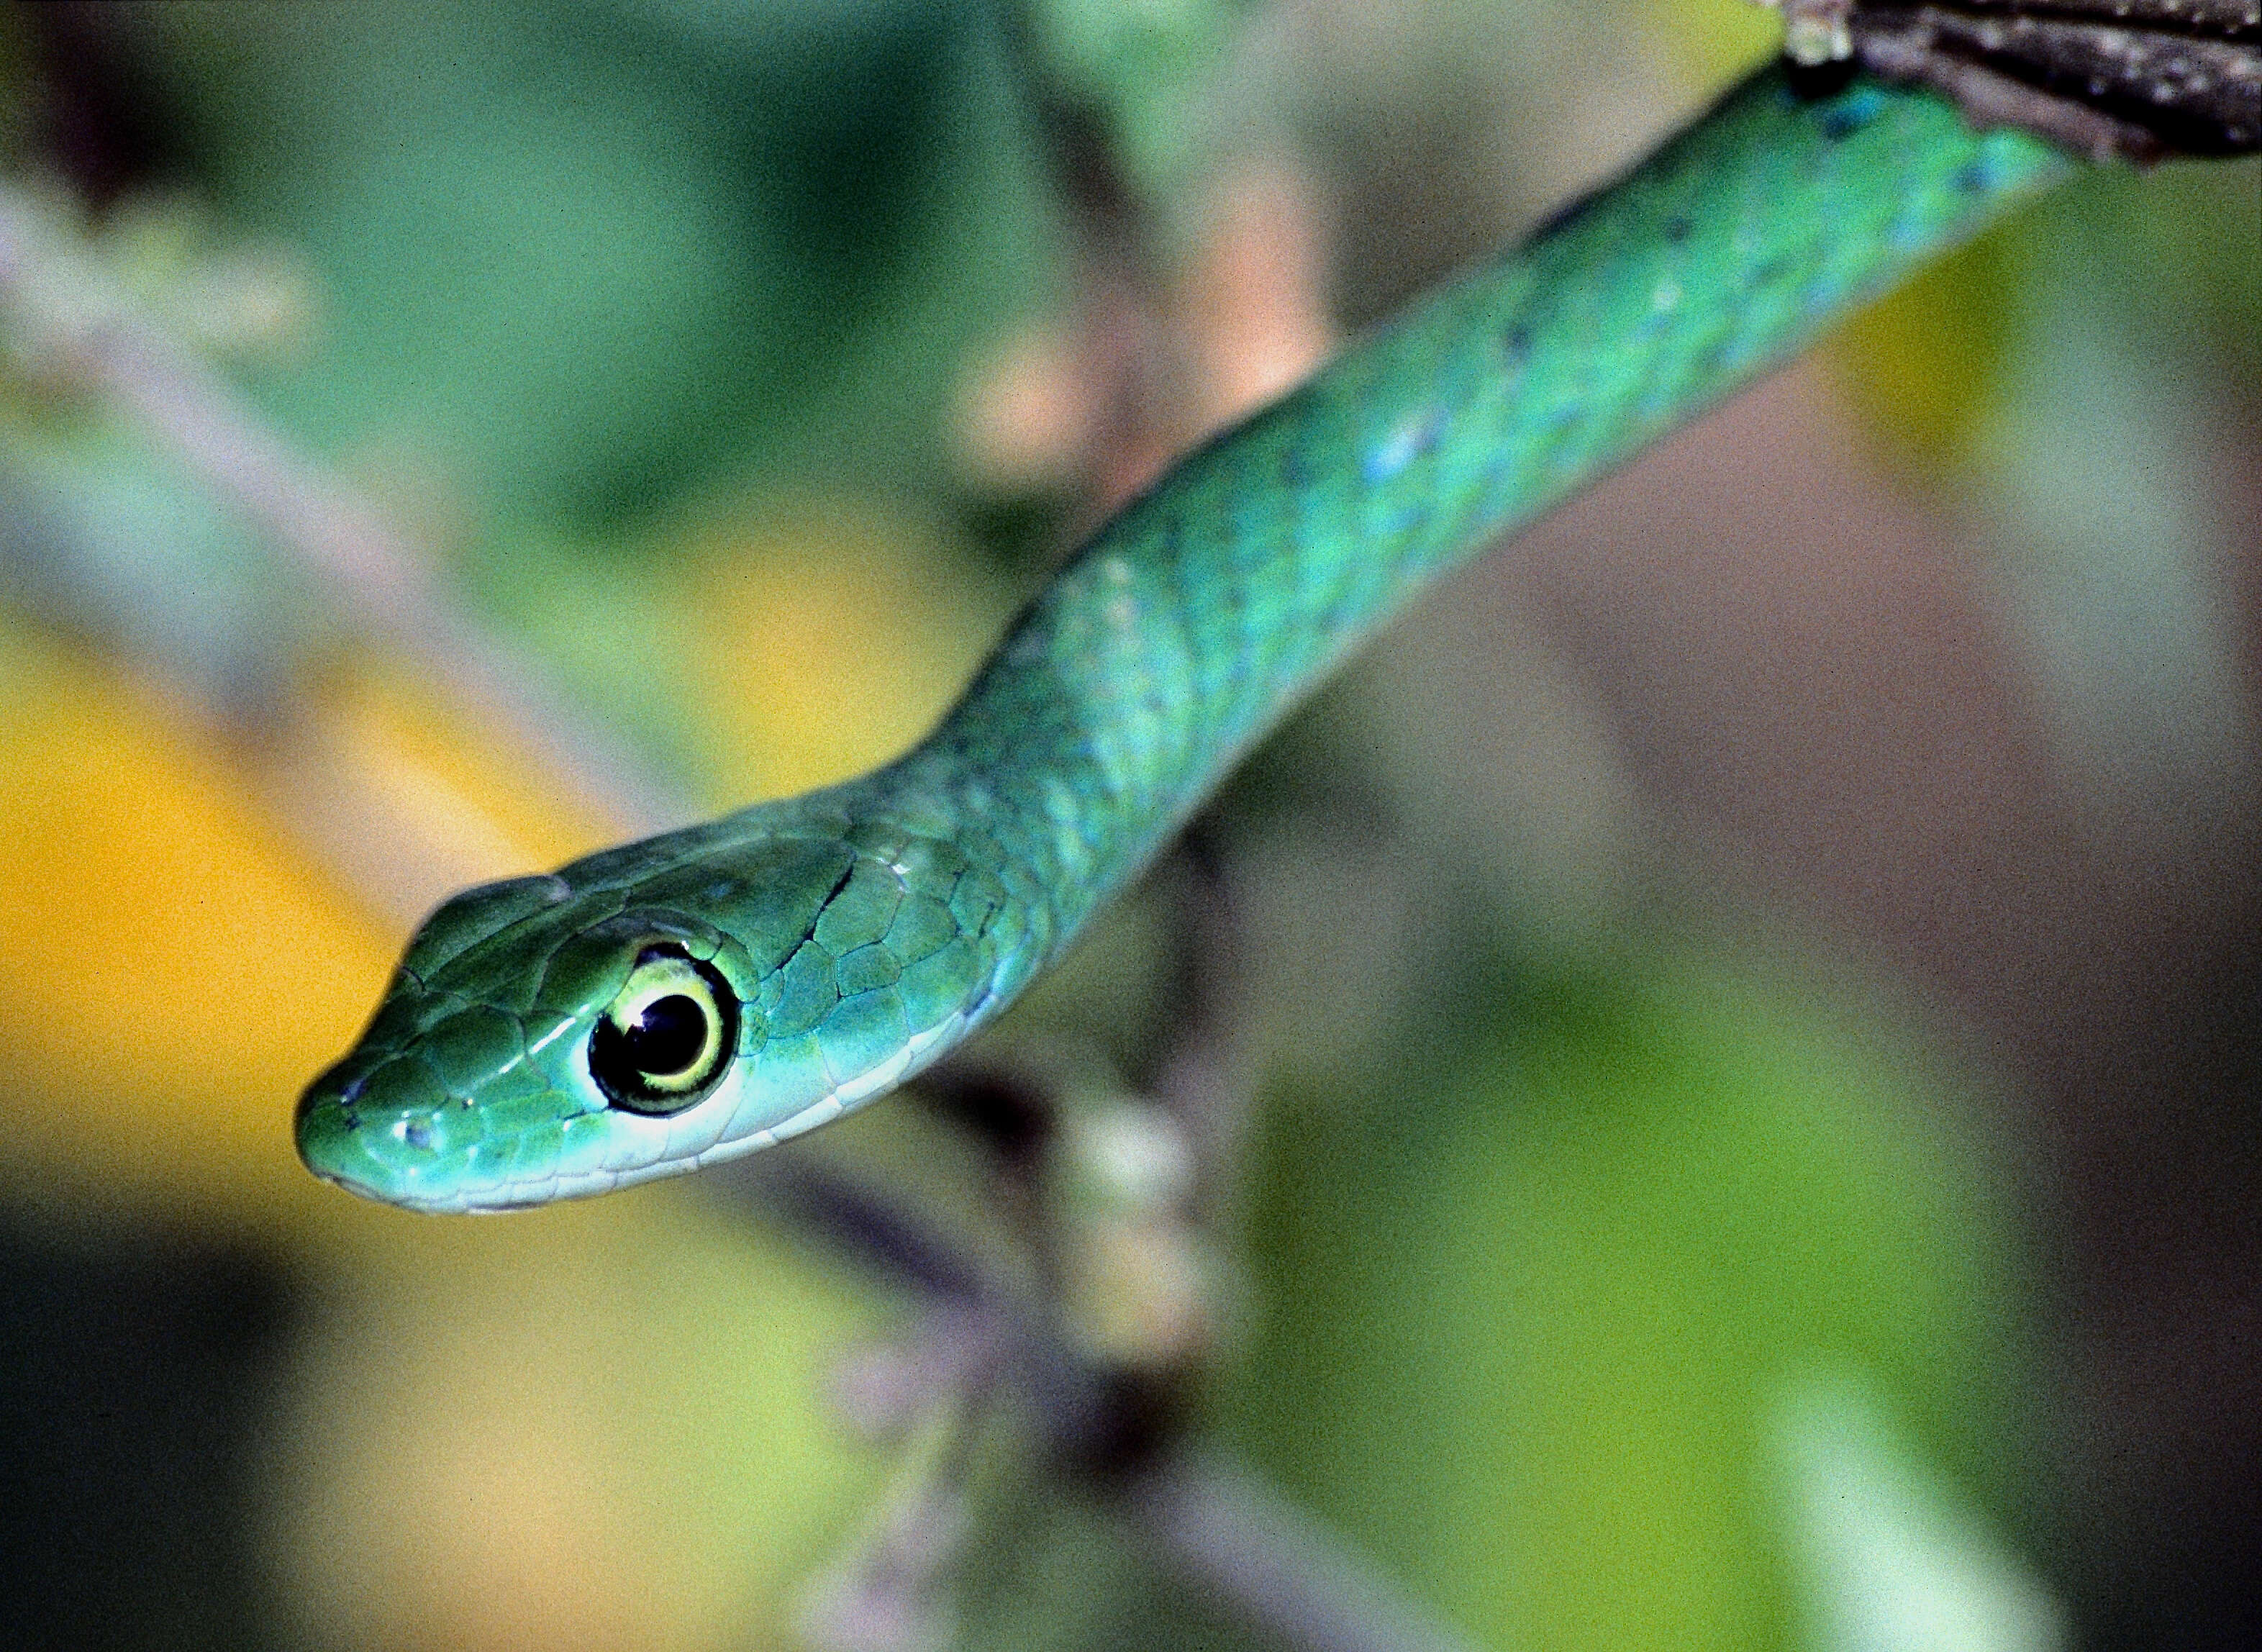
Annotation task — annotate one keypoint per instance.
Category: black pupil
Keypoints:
(666, 1037)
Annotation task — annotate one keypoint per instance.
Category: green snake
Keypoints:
(673, 1002)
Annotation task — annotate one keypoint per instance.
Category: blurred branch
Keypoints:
(1214, 1522)
(1224, 1527)
(1089, 1181)
(74, 326)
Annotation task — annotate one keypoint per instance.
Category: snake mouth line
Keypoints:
(421, 1207)
(359, 1189)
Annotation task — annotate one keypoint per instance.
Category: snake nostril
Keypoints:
(417, 1134)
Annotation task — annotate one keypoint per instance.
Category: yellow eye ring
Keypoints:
(666, 1037)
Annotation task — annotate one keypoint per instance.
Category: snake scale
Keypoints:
(669, 1003)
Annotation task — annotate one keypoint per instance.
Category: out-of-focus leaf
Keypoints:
(1923, 367)
(1150, 67)
(1522, 1316)
(1887, 1557)
(2112, 443)
(573, 259)
(1717, 38)
(2175, 254)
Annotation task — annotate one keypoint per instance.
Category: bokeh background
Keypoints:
(1740, 1013)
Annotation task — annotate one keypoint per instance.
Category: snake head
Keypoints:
(649, 1011)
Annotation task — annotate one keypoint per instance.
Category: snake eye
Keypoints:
(661, 1045)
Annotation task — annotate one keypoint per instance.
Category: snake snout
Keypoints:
(368, 1123)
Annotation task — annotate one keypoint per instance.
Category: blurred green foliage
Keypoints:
(1524, 1311)
(1146, 69)
(785, 226)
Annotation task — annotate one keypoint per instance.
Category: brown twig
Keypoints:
(1222, 1526)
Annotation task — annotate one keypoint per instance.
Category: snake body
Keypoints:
(682, 1000)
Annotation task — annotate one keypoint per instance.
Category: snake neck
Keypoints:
(1193, 621)
(1196, 618)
